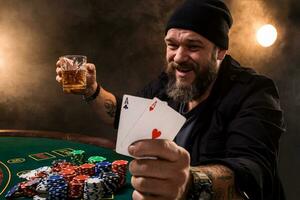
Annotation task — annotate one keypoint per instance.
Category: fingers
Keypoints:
(170, 171)
(136, 195)
(58, 63)
(58, 72)
(59, 79)
(148, 188)
(90, 68)
(163, 149)
(160, 169)
(163, 178)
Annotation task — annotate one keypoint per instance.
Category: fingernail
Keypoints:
(131, 149)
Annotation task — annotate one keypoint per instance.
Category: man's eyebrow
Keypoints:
(170, 40)
(195, 41)
(191, 40)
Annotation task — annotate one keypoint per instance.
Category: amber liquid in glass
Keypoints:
(73, 80)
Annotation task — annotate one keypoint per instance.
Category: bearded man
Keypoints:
(228, 147)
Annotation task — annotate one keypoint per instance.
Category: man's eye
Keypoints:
(172, 46)
(194, 47)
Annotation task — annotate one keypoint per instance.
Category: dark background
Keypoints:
(125, 41)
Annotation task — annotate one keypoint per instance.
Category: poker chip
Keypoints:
(57, 187)
(96, 159)
(77, 156)
(101, 167)
(80, 178)
(75, 189)
(28, 175)
(40, 197)
(120, 168)
(111, 182)
(42, 188)
(93, 188)
(87, 169)
(95, 179)
(59, 165)
(14, 192)
(27, 189)
(68, 173)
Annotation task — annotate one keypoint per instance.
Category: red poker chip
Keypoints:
(68, 171)
(75, 189)
(81, 178)
(120, 162)
(87, 166)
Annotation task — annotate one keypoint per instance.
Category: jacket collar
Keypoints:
(230, 72)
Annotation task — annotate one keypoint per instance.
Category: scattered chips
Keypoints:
(72, 180)
(14, 192)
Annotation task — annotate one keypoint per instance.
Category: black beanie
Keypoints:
(209, 18)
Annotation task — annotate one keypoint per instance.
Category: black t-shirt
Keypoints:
(183, 138)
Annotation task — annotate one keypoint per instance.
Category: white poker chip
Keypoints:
(28, 175)
(45, 169)
(40, 197)
(31, 174)
(93, 189)
(42, 187)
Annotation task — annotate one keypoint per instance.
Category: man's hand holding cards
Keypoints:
(146, 119)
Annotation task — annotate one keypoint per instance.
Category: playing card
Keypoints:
(132, 109)
(159, 121)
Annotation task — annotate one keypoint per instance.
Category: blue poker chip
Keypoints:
(13, 192)
(57, 187)
(101, 167)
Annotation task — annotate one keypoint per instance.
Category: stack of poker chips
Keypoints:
(120, 167)
(87, 169)
(93, 188)
(57, 188)
(111, 182)
(66, 180)
(76, 186)
(78, 157)
(102, 167)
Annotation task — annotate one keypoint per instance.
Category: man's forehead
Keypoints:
(177, 33)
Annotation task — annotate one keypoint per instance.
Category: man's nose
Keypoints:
(181, 55)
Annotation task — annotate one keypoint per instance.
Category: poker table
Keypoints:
(24, 150)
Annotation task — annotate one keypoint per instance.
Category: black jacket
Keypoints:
(239, 127)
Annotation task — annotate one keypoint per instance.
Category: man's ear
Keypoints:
(221, 54)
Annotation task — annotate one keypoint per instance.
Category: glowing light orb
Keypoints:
(266, 35)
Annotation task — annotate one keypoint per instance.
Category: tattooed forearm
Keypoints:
(105, 106)
(223, 182)
(110, 108)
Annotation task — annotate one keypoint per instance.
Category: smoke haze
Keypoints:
(125, 41)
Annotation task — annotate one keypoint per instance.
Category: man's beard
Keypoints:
(187, 92)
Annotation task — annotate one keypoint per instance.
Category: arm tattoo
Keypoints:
(110, 108)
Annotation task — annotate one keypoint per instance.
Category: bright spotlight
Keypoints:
(266, 35)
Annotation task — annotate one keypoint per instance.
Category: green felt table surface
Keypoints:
(18, 154)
